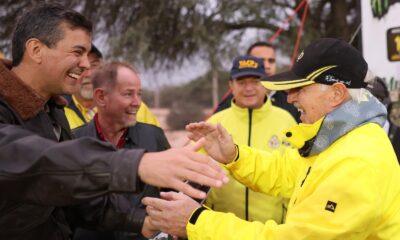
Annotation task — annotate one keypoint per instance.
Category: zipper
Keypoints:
(248, 144)
(308, 172)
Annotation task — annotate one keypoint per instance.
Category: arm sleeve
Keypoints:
(356, 207)
(272, 173)
(32, 168)
(113, 212)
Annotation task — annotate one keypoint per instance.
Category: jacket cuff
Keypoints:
(136, 220)
(124, 171)
(196, 213)
(240, 154)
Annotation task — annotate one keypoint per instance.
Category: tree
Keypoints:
(159, 34)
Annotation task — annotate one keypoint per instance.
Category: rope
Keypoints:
(289, 19)
(355, 34)
(274, 36)
(303, 19)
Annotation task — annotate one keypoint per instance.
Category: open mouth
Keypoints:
(73, 75)
(132, 112)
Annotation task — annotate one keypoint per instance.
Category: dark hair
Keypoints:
(96, 51)
(43, 22)
(259, 44)
(106, 75)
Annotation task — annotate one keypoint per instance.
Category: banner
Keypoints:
(381, 40)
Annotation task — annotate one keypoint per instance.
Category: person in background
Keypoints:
(267, 53)
(81, 107)
(117, 96)
(252, 120)
(342, 178)
(379, 89)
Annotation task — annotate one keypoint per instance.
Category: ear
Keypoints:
(34, 49)
(339, 95)
(99, 96)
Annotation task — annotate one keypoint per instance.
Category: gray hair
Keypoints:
(357, 94)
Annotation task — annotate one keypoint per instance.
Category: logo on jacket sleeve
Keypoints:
(330, 206)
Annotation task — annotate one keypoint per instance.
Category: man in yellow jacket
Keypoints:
(343, 179)
(252, 120)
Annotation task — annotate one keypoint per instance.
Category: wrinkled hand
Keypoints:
(173, 167)
(148, 229)
(171, 213)
(218, 142)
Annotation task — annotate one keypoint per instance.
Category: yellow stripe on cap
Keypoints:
(295, 83)
(319, 71)
(287, 85)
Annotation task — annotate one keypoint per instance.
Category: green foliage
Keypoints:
(161, 34)
(164, 33)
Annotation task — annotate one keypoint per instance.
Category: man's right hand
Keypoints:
(171, 168)
(218, 142)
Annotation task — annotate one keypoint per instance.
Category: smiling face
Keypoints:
(316, 100)
(123, 101)
(248, 92)
(63, 64)
(86, 85)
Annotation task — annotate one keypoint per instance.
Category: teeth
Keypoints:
(73, 75)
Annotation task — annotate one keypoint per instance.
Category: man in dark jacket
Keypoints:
(38, 175)
(117, 96)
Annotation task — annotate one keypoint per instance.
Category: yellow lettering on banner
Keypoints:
(397, 42)
(248, 64)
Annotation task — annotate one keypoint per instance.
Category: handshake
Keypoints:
(188, 172)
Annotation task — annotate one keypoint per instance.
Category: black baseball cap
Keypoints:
(325, 61)
(246, 66)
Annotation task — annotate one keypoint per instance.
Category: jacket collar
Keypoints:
(312, 139)
(21, 97)
(132, 135)
(264, 108)
(25, 101)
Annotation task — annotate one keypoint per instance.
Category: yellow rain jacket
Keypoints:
(349, 191)
(261, 128)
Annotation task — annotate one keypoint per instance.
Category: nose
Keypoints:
(84, 63)
(267, 65)
(89, 72)
(136, 100)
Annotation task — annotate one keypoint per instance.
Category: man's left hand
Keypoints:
(171, 213)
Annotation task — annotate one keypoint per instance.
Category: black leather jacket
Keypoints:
(39, 176)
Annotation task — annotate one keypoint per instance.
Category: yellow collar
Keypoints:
(299, 134)
(84, 110)
(265, 107)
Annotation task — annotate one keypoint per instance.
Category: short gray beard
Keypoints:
(86, 94)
